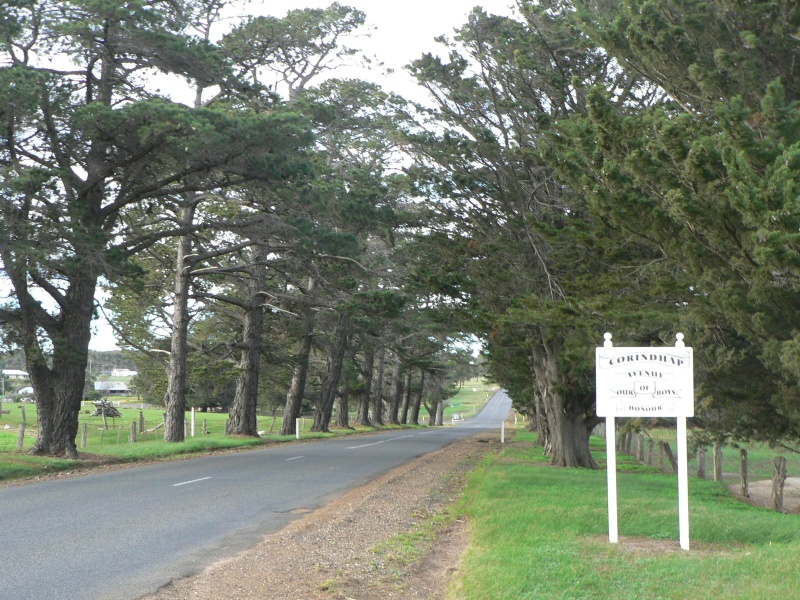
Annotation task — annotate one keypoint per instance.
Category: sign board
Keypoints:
(644, 382)
(651, 382)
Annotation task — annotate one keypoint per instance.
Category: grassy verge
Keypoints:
(541, 532)
(113, 440)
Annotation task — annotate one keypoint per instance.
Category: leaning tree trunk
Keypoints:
(333, 373)
(59, 388)
(243, 413)
(175, 401)
(362, 417)
(567, 423)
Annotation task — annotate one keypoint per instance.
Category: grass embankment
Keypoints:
(542, 532)
(113, 439)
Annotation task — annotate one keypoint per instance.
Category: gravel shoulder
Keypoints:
(357, 547)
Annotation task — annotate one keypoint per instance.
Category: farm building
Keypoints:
(112, 387)
(15, 374)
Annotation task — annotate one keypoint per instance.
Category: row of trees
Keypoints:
(584, 166)
(626, 167)
(201, 219)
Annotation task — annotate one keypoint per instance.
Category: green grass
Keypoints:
(541, 532)
(113, 438)
(759, 458)
(470, 399)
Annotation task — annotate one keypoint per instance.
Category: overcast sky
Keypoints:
(402, 30)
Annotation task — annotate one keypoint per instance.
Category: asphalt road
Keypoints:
(122, 534)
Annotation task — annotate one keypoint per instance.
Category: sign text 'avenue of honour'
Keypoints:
(644, 382)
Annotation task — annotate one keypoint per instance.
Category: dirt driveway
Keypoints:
(761, 494)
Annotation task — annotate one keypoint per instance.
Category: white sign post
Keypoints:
(646, 382)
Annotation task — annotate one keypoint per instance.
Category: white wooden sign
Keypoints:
(645, 382)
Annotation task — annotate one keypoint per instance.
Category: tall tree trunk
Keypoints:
(333, 373)
(440, 413)
(294, 398)
(415, 406)
(343, 401)
(175, 400)
(342, 408)
(406, 396)
(243, 413)
(377, 393)
(538, 422)
(59, 388)
(395, 391)
(364, 401)
(567, 423)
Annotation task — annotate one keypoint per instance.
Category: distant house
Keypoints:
(122, 373)
(112, 387)
(26, 394)
(15, 374)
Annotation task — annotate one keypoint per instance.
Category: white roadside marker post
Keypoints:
(611, 468)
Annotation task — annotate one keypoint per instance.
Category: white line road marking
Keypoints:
(294, 458)
(381, 442)
(192, 481)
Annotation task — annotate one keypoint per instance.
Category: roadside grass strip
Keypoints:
(112, 439)
(542, 532)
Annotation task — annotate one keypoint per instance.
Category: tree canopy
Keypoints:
(582, 166)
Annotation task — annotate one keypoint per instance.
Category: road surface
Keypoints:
(122, 534)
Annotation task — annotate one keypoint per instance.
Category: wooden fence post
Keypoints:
(671, 457)
(640, 448)
(21, 436)
(701, 461)
(141, 421)
(743, 477)
(84, 434)
(717, 461)
(133, 432)
(778, 480)
(651, 452)
(661, 456)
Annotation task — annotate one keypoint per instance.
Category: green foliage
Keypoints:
(712, 163)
